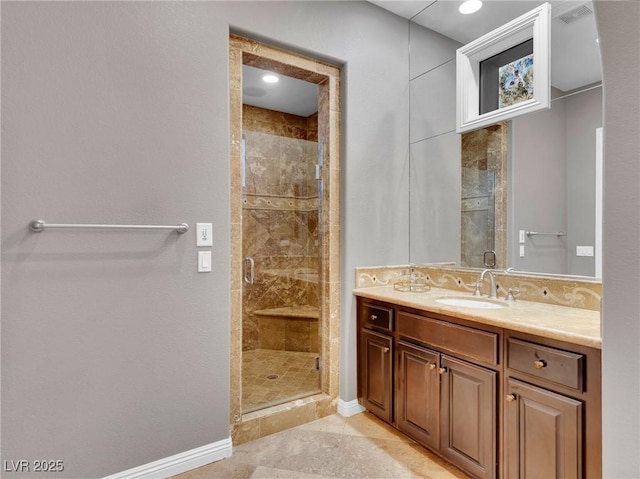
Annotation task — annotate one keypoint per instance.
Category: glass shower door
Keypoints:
(281, 249)
(478, 216)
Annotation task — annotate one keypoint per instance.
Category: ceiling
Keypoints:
(288, 95)
(575, 55)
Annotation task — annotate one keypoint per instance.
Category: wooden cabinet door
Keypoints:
(543, 433)
(468, 417)
(376, 373)
(417, 393)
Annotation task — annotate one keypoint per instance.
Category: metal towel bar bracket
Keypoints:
(38, 226)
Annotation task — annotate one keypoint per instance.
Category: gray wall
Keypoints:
(115, 351)
(584, 116)
(552, 177)
(619, 32)
(538, 189)
(435, 165)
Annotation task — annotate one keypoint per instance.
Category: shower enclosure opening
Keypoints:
(281, 240)
(483, 202)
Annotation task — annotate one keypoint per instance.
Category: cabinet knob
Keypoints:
(511, 397)
(385, 350)
(539, 364)
(432, 366)
(373, 317)
(442, 370)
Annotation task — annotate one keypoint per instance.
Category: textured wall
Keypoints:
(113, 346)
(619, 31)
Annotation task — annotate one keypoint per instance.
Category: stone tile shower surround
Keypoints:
(246, 427)
(280, 232)
(571, 292)
(483, 153)
(280, 124)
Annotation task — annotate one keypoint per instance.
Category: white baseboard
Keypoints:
(349, 408)
(179, 463)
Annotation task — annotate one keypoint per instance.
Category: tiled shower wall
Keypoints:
(280, 231)
(484, 151)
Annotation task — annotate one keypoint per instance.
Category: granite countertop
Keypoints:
(574, 325)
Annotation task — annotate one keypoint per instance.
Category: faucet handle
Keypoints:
(477, 291)
(512, 294)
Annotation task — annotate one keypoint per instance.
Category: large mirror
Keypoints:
(552, 177)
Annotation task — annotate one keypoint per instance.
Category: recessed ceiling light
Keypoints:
(597, 40)
(269, 78)
(470, 6)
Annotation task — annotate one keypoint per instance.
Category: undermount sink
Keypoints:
(466, 302)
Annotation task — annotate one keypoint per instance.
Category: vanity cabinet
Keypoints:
(448, 405)
(552, 409)
(418, 393)
(433, 374)
(469, 416)
(377, 374)
(497, 403)
(543, 432)
(446, 398)
(375, 356)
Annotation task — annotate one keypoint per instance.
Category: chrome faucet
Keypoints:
(493, 291)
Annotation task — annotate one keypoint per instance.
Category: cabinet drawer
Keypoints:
(377, 317)
(469, 342)
(551, 364)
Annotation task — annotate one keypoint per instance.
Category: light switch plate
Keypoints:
(204, 234)
(584, 250)
(204, 261)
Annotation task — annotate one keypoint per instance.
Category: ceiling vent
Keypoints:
(576, 14)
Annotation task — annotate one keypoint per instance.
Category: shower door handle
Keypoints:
(249, 266)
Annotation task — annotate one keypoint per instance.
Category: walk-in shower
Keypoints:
(281, 238)
(285, 241)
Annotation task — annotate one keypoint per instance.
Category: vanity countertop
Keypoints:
(574, 325)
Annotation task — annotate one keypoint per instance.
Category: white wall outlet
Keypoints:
(522, 251)
(584, 250)
(204, 234)
(204, 261)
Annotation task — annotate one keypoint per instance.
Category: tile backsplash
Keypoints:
(583, 293)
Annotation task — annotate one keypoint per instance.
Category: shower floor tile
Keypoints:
(271, 377)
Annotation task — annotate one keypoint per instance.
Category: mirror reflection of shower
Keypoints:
(281, 230)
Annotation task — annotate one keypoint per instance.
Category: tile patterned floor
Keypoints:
(358, 447)
(271, 377)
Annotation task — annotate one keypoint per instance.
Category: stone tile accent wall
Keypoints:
(280, 232)
(571, 292)
(279, 123)
(484, 151)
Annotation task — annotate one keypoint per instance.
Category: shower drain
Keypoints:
(272, 376)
